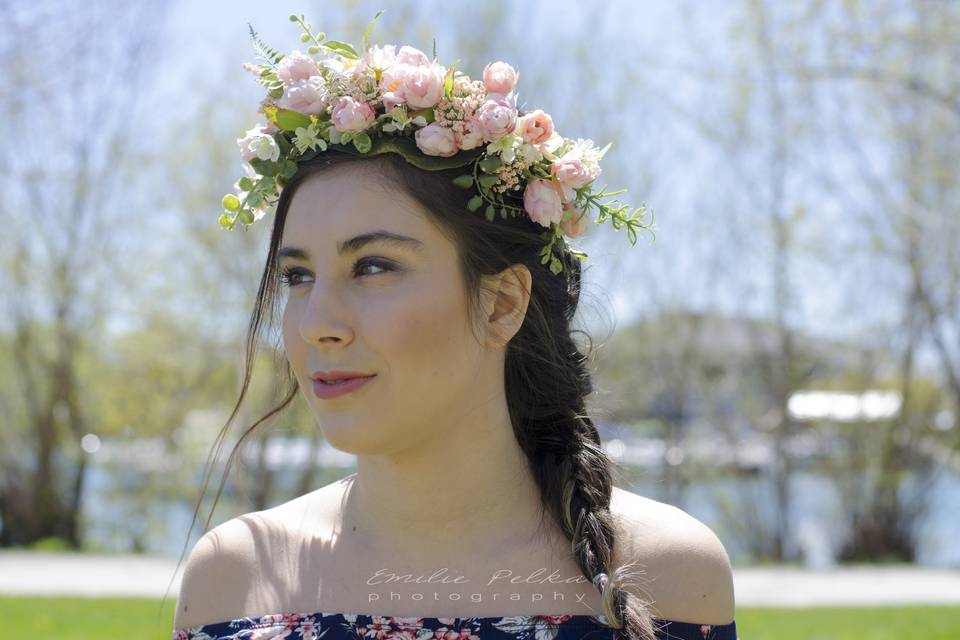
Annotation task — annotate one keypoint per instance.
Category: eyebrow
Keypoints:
(356, 243)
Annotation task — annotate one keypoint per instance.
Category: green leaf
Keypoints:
(276, 93)
(407, 148)
(245, 183)
(291, 120)
(289, 168)
(448, 81)
(474, 203)
(343, 48)
(362, 142)
(245, 216)
(555, 266)
(503, 213)
(264, 167)
(491, 213)
(464, 182)
(427, 114)
(366, 34)
(488, 180)
(490, 164)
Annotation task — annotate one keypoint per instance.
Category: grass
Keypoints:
(98, 618)
(829, 623)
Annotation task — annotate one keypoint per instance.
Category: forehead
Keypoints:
(349, 199)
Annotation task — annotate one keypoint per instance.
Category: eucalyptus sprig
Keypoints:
(620, 214)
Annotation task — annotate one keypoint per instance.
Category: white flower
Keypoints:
(257, 143)
(399, 119)
(265, 148)
(506, 146)
(588, 154)
(308, 138)
(531, 153)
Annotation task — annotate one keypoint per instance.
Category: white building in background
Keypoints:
(844, 406)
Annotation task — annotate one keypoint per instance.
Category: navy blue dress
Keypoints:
(353, 626)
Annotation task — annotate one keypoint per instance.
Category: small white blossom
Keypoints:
(309, 138)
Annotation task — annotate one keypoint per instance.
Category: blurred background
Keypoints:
(782, 361)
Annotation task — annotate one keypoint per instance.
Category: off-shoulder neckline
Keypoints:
(507, 622)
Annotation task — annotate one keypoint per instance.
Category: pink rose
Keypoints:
(541, 199)
(574, 222)
(422, 85)
(535, 127)
(304, 96)
(351, 115)
(412, 56)
(572, 174)
(500, 77)
(436, 140)
(471, 138)
(297, 66)
(497, 117)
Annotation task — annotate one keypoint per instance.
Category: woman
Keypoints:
(483, 504)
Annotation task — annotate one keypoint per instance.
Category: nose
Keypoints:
(325, 318)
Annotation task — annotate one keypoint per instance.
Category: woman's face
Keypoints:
(394, 310)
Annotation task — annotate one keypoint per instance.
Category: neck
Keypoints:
(467, 486)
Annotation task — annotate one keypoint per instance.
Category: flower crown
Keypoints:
(400, 101)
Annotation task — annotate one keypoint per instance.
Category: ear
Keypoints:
(507, 295)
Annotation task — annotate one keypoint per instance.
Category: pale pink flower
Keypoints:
(500, 77)
(391, 86)
(297, 66)
(436, 140)
(422, 85)
(377, 57)
(574, 222)
(305, 96)
(412, 56)
(497, 117)
(572, 173)
(535, 127)
(541, 199)
(471, 138)
(352, 115)
(258, 143)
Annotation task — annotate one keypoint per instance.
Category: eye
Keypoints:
(289, 276)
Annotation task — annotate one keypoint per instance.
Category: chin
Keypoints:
(354, 439)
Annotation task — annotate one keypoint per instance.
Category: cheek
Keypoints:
(426, 334)
(293, 343)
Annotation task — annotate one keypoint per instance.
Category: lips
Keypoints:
(330, 376)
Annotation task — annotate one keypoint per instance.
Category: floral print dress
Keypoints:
(353, 626)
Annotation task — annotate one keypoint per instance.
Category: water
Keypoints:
(118, 518)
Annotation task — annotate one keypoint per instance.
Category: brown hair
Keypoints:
(547, 379)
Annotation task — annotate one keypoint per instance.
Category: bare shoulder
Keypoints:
(238, 568)
(220, 572)
(684, 567)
